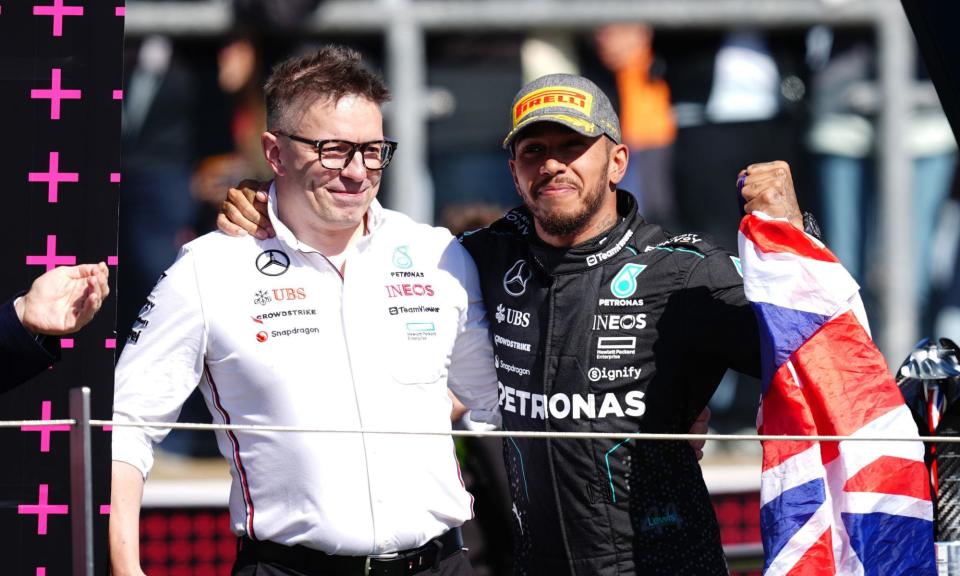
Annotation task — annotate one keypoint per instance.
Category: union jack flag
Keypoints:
(848, 507)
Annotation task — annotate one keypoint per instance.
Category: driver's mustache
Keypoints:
(558, 180)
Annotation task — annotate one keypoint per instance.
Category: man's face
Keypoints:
(564, 179)
(338, 199)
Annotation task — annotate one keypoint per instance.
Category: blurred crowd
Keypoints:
(695, 107)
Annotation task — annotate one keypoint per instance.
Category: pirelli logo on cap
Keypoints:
(553, 97)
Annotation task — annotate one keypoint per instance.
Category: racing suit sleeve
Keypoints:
(161, 364)
(472, 376)
(720, 323)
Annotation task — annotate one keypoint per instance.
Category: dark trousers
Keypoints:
(456, 565)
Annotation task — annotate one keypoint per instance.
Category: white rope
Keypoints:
(19, 423)
(488, 433)
(526, 434)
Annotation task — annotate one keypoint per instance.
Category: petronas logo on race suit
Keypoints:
(624, 284)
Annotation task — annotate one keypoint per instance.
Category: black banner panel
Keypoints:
(61, 92)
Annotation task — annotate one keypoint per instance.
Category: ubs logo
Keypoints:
(511, 316)
(516, 278)
(272, 262)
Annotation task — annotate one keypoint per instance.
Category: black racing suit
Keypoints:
(631, 331)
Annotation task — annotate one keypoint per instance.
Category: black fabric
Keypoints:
(21, 356)
(631, 331)
(303, 560)
(934, 24)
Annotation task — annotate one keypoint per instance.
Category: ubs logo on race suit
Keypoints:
(516, 278)
(512, 317)
(624, 284)
(263, 297)
(272, 262)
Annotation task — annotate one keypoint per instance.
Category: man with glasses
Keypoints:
(353, 317)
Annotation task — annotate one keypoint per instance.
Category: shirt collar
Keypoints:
(286, 236)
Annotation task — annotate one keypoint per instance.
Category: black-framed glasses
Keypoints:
(337, 154)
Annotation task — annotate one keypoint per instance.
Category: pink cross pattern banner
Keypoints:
(53, 177)
(58, 11)
(55, 93)
(45, 429)
(43, 509)
(51, 259)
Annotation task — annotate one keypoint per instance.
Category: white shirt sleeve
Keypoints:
(472, 376)
(157, 372)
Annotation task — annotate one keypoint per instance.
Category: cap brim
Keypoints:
(579, 125)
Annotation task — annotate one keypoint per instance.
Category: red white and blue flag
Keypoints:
(848, 507)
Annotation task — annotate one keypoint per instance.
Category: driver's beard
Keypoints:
(559, 224)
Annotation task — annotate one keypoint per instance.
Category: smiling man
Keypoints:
(352, 318)
(603, 322)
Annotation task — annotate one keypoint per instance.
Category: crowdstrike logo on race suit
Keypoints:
(401, 257)
(508, 343)
(516, 278)
(619, 321)
(287, 314)
(272, 262)
(624, 284)
(500, 365)
(611, 374)
(575, 406)
(615, 347)
(610, 252)
(512, 317)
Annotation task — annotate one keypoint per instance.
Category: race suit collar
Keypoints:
(593, 252)
(286, 236)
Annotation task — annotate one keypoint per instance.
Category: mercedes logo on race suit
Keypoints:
(273, 262)
(516, 278)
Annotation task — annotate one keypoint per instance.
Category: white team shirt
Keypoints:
(273, 335)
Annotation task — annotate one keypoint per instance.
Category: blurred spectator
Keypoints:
(948, 317)
(239, 75)
(646, 117)
(158, 148)
(842, 135)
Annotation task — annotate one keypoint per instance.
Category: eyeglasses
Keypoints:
(337, 154)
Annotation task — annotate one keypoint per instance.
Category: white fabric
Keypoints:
(364, 362)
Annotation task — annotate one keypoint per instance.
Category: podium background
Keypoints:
(74, 218)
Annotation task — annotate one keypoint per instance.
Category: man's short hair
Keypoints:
(332, 73)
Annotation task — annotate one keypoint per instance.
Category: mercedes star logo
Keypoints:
(273, 262)
(516, 278)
